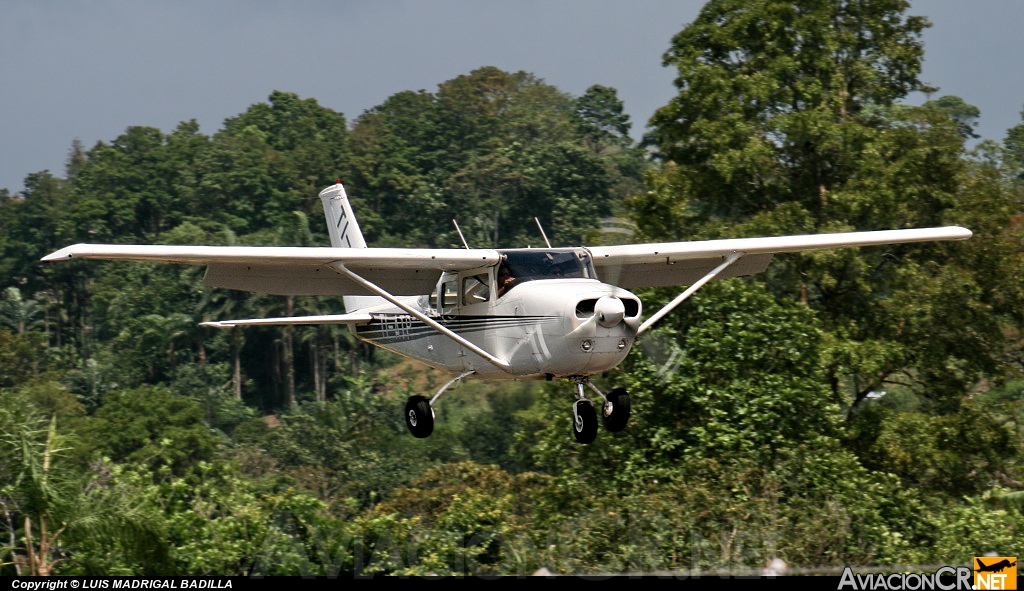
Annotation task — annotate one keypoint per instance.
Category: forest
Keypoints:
(846, 408)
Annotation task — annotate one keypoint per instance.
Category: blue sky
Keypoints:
(89, 69)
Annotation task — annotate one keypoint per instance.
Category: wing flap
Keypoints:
(317, 280)
(667, 273)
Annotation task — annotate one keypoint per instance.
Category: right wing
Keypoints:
(292, 270)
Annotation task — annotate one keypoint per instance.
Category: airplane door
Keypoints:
(446, 306)
(448, 294)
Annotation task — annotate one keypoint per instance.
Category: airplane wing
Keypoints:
(309, 271)
(299, 270)
(683, 263)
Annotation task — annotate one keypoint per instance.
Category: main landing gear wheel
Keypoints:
(419, 417)
(616, 410)
(584, 424)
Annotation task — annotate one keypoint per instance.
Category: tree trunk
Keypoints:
(236, 357)
(289, 356)
(315, 362)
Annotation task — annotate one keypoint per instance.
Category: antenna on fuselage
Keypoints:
(541, 228)
(460, 234)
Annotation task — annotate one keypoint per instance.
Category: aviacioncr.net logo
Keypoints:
(946, 578)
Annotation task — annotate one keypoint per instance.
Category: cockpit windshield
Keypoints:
(530, 264)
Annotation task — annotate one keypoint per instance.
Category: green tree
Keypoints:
(269, 161)
(772, 96)
(63, 513)
(153, 427)
(17, 313)
(492, 150)
(602, 116)
(30, 227)
(135, 187)
(965, 115)
(21, 356)
(1014, 151)
(786, 121)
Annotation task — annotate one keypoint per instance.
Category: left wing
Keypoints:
(292, 270)
(684, 263)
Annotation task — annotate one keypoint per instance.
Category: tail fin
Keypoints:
(341, 222)
(345, 233)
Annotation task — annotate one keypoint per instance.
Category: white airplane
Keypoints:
(533, 313)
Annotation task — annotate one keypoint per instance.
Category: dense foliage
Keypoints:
(849, 407)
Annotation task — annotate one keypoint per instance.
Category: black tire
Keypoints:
(616, 410)
(419, 417)
(584, 423)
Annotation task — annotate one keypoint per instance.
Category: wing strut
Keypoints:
(341, 268)
(732, 258)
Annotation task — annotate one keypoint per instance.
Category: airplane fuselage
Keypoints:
(542, 328)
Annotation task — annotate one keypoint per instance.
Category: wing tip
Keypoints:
(962, 233)
(60, 255)
(217, 324)
(66, 253)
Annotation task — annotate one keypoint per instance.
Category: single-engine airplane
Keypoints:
(995, 566)
(526, 313)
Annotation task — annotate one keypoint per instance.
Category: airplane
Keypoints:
(995, 567)
(558, 313)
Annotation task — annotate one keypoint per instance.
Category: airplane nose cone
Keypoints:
(609, 311)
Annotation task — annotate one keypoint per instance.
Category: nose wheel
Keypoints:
(614, 412)
(584, 424)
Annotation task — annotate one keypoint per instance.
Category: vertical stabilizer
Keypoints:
(341, 222)
(345, 233)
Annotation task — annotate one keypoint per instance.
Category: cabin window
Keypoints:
(476, 289)
(450, 299)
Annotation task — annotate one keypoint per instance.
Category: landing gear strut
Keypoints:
(419, 412)
(614, 412)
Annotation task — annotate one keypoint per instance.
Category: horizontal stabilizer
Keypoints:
(324, 319)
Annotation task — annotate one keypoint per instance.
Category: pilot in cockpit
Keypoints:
(505, 279)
